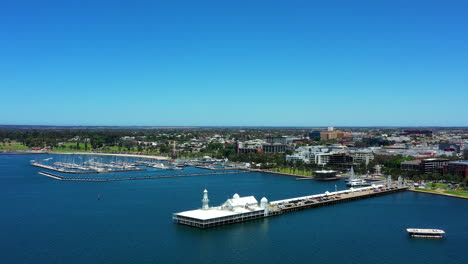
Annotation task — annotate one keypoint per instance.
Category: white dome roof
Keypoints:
(236, 196)
(205, 191)
(264, 199)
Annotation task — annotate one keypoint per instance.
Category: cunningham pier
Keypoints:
(240, 209)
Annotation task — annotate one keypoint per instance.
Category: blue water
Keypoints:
(49, 221)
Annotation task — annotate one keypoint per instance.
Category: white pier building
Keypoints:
(236, 209)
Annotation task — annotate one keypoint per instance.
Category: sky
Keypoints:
(234, 63)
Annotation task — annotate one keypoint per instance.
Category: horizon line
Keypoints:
(235, 126)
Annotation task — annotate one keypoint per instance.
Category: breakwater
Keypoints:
(96, 179)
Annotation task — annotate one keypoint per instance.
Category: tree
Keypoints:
(164, 148)
(464, 183)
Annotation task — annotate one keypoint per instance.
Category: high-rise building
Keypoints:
(315, 135)
(335, 134)
(459, 167)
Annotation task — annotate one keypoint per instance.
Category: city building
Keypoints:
(250, 146)
(425, 166)
(334, 134)
(362, 156)
(315, 135)
(413, 165)
(459, 167)
(341, 160)
(450, 147)
(277, 140)
(297, 157)
(419, 133)
(275, 148)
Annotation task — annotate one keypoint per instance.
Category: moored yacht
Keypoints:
(355, 182)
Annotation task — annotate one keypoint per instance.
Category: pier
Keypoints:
(241, 209)
(329, 198)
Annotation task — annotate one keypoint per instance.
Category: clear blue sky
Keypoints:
(265, 63)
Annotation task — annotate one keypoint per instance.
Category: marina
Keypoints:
(83, 168)
(76, 169)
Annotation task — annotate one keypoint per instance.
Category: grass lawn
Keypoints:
(70, 147)
(296, 172)
(426, 190)
(440, 186)
(13, 147)
(458, 193)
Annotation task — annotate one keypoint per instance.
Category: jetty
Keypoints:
(97, 179)
(240, 209)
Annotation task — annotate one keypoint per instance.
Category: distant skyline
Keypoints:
(234, 63)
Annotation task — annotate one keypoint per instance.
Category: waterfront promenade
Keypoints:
(438, 193)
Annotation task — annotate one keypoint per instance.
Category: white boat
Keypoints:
(160, 166)
(425, 233)
(355, 182)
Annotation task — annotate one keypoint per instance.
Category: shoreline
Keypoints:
(112, 154)
(282, 173)
(438, 193)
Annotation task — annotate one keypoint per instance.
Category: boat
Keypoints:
(355, 182)
(425, 233)
(160, 166)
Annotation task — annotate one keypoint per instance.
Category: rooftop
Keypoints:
(415, 162)
(202, 214)
(464, 162)
(235, 205)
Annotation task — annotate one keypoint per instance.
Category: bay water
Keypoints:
(44, 220)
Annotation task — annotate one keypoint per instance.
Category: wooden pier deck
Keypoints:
(296, 204)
